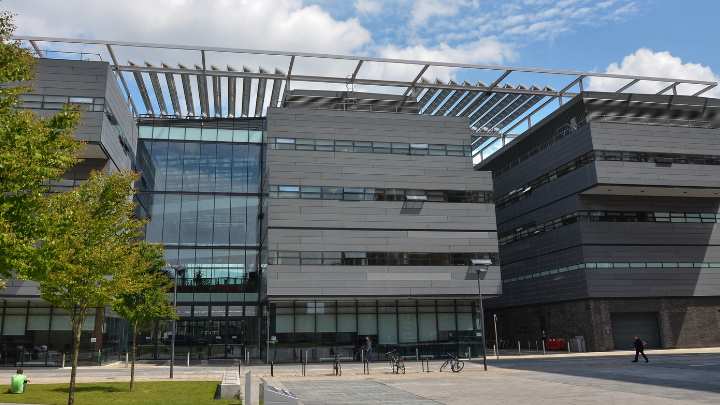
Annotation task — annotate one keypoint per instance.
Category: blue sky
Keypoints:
(646, 37)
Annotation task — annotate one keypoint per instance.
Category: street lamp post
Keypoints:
(497, 344)
(174, 322)
(481, 268)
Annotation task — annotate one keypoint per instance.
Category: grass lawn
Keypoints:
(112, 393)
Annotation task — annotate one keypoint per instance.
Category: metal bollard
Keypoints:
(543, 346)
(126, 359)
(568, 343)
(518, 347)
(188, 359)
(63, 360)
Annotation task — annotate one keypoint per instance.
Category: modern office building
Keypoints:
(109, 131)
(303, 211)
(608, 213)
(373, 216)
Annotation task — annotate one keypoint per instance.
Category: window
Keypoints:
(353, 194)
(324, 145)
(363, 147)
(419, 148)
(400, 148)
(284, 143)
(309, 192)
(288, 191)
(376, 258)
(304, 144)
(343, 146)
(381, 147)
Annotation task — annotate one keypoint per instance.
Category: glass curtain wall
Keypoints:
(326, 328)
(201, 187)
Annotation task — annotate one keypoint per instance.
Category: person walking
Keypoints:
(639, 349)
(368, 347)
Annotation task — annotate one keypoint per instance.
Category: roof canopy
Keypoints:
(197, 85)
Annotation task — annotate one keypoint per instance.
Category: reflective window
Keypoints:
(376, 194)
(376, 258)
(369, 147)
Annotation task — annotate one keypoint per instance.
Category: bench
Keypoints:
(230, 386)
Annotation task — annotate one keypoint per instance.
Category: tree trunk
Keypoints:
(132, 357)
(77, 321)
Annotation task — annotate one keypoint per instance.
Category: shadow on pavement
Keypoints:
(698, 372)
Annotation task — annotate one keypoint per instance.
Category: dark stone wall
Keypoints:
(684, 322)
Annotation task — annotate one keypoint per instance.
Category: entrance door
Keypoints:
(627, 325)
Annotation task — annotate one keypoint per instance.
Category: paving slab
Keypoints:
(333, 392)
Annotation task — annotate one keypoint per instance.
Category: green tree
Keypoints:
(150, 302)
(32, 152)
(91, 250)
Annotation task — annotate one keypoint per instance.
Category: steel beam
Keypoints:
(203, 92)
(36, 48)
(355, 72)
(143, 92)
(155, 82)
(519, 111)
(260, 95)
(356, 58)
(217, 93)
(275, 93)
(187, 92)
(709, 87)
(122, 79)
(286, 90)
(417, 78)
(172, 90)
(627, 86)
(437, 101)
(231, 92)
(672, 86)
(246, 82)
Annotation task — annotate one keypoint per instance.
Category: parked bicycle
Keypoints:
(456, 365)
(397, 363)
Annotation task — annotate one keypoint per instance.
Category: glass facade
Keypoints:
(33, 333)
(201, 189)
(341, 327)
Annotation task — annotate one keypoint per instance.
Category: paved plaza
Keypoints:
(671, 377)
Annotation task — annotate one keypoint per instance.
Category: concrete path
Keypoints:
(362, 392)
(672, 377)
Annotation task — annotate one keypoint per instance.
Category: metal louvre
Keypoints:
(492, 110)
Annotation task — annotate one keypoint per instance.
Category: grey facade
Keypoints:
(610, 206)
(343, 251)
(110, 133)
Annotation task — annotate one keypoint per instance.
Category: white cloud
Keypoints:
(277, 24)
(488, 51)
(646, 62)
(368, 7)
(422, 10)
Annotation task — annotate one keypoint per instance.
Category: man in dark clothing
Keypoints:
(639, 349)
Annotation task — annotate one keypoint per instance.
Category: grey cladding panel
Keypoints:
(380, 241)
(379, 215)
(655, 138)
(374, 170)
(367, 126)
